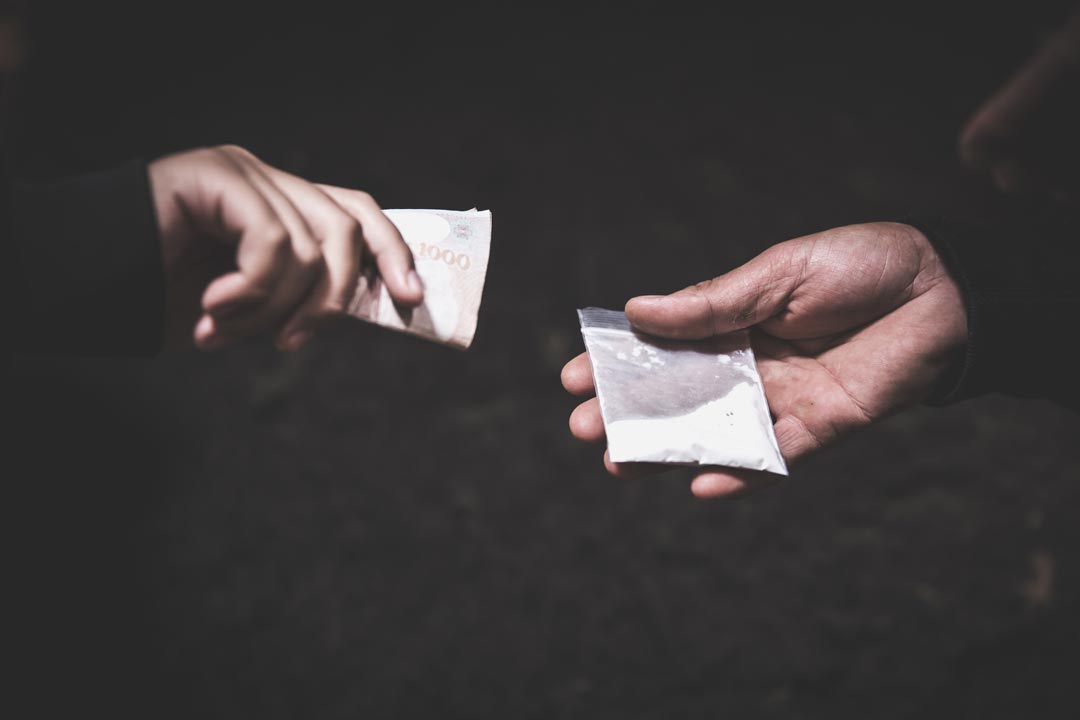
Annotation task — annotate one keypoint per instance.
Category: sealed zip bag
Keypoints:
(697, 402)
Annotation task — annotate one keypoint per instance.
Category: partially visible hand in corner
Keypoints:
(1026, 135)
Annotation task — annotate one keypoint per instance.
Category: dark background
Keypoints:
(381, 527)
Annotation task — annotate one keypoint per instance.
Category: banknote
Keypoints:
(451, 252)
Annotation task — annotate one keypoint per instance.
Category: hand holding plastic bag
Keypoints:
(848, 326)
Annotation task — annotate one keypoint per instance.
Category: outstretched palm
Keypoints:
(849, 326)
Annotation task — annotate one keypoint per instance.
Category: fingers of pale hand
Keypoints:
(340, 241)
(232, 294)
(281, 260)
(384, 241)
(207, 336)
(326, 302)
(285, 266)
(577, 376)
(223, 202)
(743, 297)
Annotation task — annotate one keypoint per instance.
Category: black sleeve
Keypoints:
(1020, 285)
(85, 272)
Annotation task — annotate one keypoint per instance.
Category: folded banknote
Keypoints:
(451, 252)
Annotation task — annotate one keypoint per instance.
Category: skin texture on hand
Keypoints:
(1026, 134)
(250, 249)
(849, 326)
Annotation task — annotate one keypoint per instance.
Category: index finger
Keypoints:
(382, 238)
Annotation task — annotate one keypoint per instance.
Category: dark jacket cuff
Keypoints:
(1021, 298)
(88, 265)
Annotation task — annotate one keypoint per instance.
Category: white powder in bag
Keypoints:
(699, 403)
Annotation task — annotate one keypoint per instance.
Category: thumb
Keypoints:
(746, 296)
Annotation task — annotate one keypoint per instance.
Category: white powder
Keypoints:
(695, 402)
(729, 431)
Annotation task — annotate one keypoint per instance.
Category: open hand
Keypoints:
(848, 325)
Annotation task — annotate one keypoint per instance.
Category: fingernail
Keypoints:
(297, 340)
(648, 298)
(413, 282)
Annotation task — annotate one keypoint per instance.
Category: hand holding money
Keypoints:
(450, 250)
(269, 251)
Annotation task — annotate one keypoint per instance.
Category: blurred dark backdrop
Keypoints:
(379, 527)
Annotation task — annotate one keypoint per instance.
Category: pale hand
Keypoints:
(250, 249)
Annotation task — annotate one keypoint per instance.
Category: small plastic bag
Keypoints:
(686, 402)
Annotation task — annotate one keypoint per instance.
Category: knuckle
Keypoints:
(233, 150)
(704, 286)
(365, 198)
(343, 225)
(215, 155)
(708, 291)
(705, 290)
(309, 257)
(276, 237)
(909, 234)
